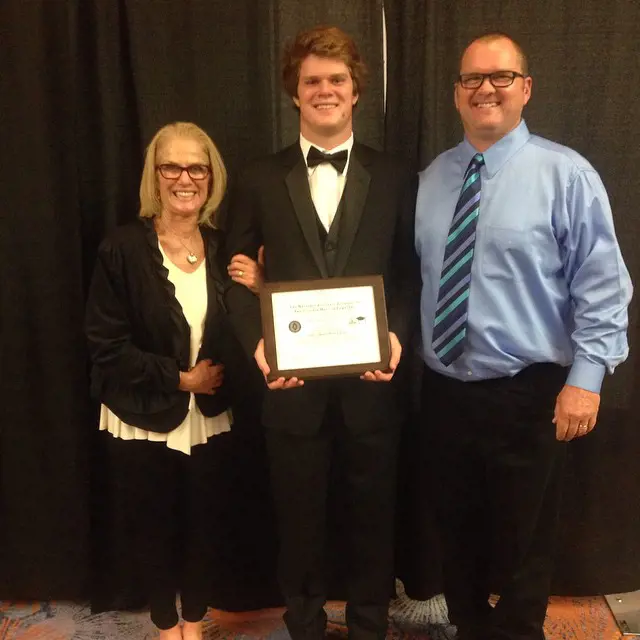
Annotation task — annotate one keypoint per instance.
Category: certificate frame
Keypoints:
(267, 292)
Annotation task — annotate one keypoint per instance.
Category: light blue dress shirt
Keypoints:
(548, 283)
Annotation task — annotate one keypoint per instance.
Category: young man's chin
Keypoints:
(332, 128)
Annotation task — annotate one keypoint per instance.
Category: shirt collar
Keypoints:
(498, 153)
(305, 145)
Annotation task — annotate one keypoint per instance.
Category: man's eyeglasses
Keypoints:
(499, 79)
(174, 171)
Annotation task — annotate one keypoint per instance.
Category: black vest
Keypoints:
(330, 239)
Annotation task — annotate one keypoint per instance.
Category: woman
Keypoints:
(168, 371)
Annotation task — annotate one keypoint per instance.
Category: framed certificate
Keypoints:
(322, 328)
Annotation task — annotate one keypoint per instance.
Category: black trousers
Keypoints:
(169, 502)
(300, 470)
(496, 483)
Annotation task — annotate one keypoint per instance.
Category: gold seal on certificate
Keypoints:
(328, 327)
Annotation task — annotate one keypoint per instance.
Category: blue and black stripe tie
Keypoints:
(450, 325)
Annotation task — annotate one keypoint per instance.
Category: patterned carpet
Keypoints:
(567, 619)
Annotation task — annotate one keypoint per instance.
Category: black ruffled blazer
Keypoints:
(139, 338)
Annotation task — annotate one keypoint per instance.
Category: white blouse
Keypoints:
(191, 293)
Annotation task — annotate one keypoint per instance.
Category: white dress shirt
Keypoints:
(325, 182)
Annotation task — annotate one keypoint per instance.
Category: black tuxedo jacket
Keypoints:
(271, 204)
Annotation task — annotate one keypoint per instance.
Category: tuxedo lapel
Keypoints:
(355, 195)
(300, 194)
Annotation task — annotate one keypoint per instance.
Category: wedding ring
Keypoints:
(240, 273)
(582, 427)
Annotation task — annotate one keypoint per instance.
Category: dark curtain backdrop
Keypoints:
(584, 58)
(85, 84)
(44, 489)
(83, 87)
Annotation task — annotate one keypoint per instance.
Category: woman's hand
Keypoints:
(246, 271)
(205, 377)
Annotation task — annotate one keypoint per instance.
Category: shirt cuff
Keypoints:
(586, 375)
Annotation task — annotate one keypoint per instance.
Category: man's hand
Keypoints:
(280, 383)
(205, 378)
(246, 271)
(385, 376)
(575, 413)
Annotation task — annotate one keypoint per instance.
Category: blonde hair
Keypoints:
(150, 204)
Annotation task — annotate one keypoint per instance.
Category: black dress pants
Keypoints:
(496, 483)
(300, 471)
(169, 502)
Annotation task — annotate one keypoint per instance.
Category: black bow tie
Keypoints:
(338, 160)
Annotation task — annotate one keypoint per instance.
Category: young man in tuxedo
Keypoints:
(328, 206)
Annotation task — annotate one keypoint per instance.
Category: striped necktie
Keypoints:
(450, 325)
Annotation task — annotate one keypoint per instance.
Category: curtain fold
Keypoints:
(44, 531)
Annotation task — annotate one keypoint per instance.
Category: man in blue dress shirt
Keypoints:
(523, 310)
